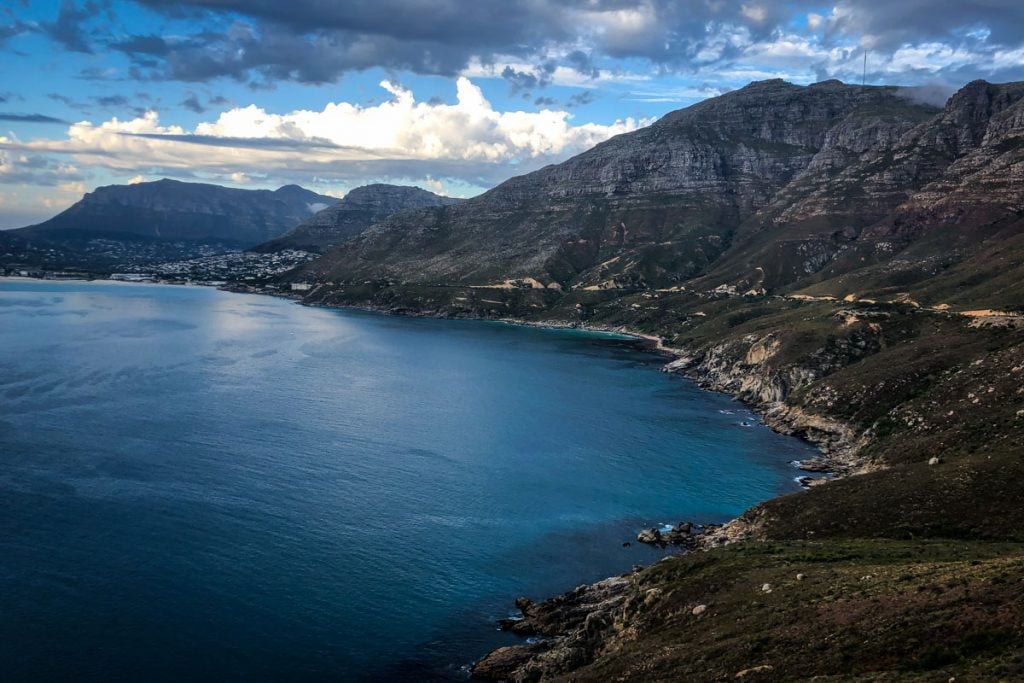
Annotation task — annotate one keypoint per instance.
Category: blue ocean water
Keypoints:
(210, 486)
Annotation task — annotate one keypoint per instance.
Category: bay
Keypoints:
(202, 485)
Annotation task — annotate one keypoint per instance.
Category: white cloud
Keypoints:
(755, 13)
(250, 139)
(402, 128)
(620, 28)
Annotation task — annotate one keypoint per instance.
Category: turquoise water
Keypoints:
(211, 486)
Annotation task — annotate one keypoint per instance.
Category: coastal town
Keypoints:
(214, 269)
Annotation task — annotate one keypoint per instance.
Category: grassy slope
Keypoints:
(865, 610)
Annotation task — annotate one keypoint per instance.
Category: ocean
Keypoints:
(203, 485)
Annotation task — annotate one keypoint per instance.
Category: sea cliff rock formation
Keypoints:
(357, 211)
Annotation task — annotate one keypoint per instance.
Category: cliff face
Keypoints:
(172, 210)
(360, 208)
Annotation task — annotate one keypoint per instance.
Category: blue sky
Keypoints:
(450, 95)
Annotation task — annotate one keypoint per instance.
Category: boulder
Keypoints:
(651, 535)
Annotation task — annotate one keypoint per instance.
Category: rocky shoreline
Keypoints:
(838, 443)
(567, 631)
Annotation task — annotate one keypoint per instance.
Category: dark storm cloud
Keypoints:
(483, 24)
(522, 80)
(67, 101)
(192, 103)
(581, 99)
(68, 28)
(916, 21)
(111, 100)
(30, 118)
(273, 54)
(582, 63)
(311, 41)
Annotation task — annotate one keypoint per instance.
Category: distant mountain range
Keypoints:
(361, 208)
(168, 220)
(173, 210)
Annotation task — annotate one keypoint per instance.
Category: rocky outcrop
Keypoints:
(743, 369)
(357, 211)
(173, 210)
(573, 627)
(685, 534)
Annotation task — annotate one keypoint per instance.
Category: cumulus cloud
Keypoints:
(468, 141)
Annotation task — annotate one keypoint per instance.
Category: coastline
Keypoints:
(606, 592)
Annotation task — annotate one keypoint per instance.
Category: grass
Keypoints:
(864, 610)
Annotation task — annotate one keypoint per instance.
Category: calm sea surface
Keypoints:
(197, 485)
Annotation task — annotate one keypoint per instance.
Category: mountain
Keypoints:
(772, 186)
(360, 208)
(848, 262)
(168, 210)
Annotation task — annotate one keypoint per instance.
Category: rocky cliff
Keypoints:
(172, 210)
(358, 210)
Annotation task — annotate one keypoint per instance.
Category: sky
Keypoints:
(451, 95)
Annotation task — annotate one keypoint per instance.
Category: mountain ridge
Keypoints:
(359, 209)
(810, 172)
(174, 210)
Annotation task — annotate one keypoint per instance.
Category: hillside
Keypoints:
(847, 261)
(358, 210)
(168, 210)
